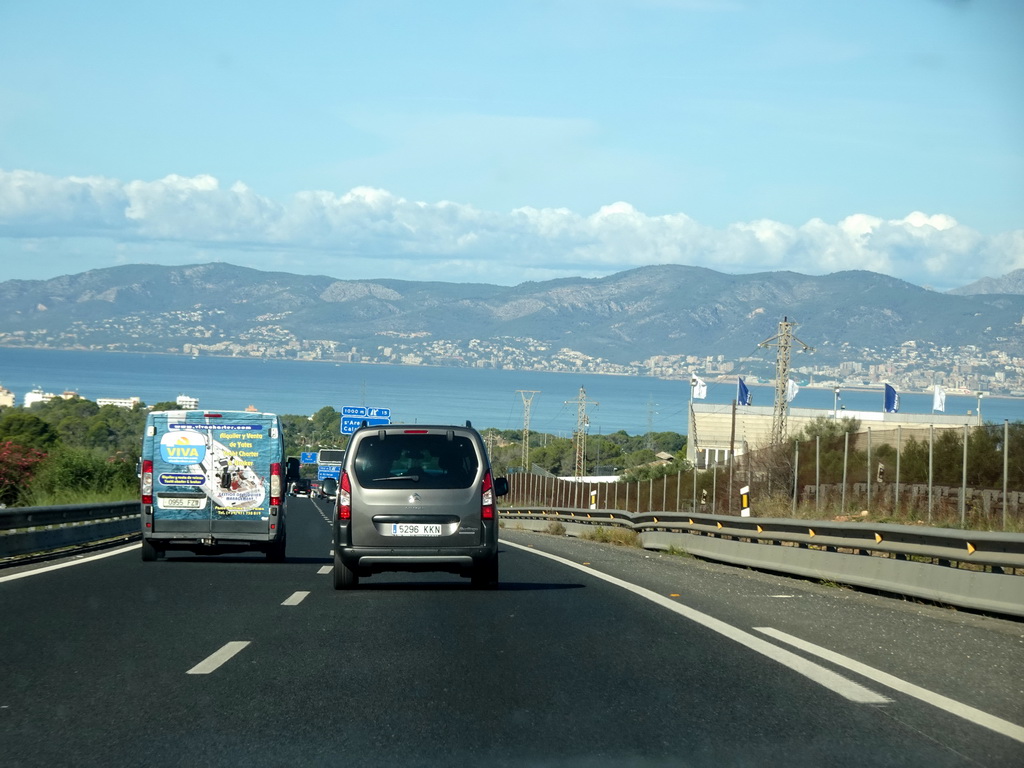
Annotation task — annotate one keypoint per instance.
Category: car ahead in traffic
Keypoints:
(329, 488)
(302, 487)
(417, 498)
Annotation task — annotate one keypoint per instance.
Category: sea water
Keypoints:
(427, 394)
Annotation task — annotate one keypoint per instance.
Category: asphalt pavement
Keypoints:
(587, 654)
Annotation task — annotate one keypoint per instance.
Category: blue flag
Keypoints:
(743, 394)
(892, 400)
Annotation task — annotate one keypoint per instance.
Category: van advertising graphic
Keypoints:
(182, 447)
(224, 461)
(231, 480)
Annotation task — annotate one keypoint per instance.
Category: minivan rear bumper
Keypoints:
(461, 560)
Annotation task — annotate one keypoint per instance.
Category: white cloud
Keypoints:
(372, 233)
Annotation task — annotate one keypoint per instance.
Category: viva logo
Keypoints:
(182, 447)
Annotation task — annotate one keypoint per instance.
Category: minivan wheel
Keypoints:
(485, 574)
(149, 552)
(344, 577)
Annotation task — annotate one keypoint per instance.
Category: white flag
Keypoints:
(700, 389)
(791, 389)
(939, 400)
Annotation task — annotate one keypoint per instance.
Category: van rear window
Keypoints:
(416, 461)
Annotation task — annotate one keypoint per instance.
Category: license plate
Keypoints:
(415, 529)
(181, 503)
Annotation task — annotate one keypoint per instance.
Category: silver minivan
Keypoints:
(417, 498)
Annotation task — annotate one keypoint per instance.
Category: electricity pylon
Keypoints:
(527, 400)
(580, 436)
(784, 341)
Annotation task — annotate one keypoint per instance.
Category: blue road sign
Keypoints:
(328, 470)
(308, 457)
(351, 424)
(379, 413)
(353, 410)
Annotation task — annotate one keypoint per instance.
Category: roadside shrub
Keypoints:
(82, 475)
(17, 465)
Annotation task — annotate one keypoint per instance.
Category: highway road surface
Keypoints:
(587, 655)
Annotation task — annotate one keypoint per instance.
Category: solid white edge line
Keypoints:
(296, 598)
(79, 561)
(976, 716)
(819, 674)
(217, 658)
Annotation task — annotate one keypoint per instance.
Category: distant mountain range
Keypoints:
(625, 317)
(1011, 282)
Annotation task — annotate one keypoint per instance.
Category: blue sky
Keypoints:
(505, 141)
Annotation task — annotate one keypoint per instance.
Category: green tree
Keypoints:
(27, 430)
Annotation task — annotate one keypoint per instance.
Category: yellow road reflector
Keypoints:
(970, 548)
(718, 524)
(674, 595)
(760, 529)
(878, 538)
(810, 532)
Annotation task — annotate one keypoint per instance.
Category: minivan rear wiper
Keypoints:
(395, 477)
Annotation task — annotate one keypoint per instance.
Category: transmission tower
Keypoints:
(784, 341)
(580, 436)
(527, 400)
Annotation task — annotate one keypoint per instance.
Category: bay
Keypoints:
(423, 394)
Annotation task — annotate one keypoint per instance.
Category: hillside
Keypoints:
(622, 318)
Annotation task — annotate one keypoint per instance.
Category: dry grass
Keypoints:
(621, 536)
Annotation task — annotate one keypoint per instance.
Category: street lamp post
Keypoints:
(980, 395)
(835, 404)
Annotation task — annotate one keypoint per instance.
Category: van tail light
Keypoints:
(345, 498)
(147, 481)
(487, 506)
(276, 484)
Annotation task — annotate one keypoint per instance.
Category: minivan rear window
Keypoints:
(416, 461)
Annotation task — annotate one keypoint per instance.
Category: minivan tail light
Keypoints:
(147, 481)
(344, 498)
(487, 507)
(276, 484)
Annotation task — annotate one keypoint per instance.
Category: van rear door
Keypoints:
(242, 448)
(180, 505)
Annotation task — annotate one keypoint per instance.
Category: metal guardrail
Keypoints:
(36, 530)
(978, 570)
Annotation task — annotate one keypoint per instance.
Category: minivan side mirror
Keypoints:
(500, 486)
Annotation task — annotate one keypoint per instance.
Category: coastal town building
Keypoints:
(715, 433)
(120, 402)
(187, 403)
